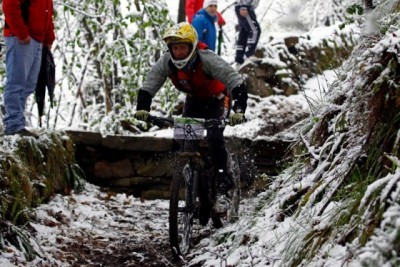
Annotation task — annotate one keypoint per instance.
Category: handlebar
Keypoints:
(163, 122)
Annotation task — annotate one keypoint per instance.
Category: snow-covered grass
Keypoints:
(314, 214)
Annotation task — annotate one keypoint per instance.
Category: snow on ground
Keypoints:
(103, 227)
(97, 228)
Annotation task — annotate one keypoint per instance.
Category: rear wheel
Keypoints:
(182, 209)
(234, 170)
(216, 218)
(208, 195)
(205, 203)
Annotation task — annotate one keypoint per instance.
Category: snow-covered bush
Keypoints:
(105, 49)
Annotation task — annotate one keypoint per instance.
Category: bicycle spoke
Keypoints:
(181, 209)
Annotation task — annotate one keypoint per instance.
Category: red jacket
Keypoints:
(40, 25)
(191, 8)
(195, 82)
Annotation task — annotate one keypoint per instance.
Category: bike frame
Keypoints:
(193, 186)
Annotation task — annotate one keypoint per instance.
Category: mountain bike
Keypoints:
(193, 185)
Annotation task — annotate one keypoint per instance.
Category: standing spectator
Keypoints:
(191, 8)
(28, 27)
(249, 29)
(204, 23)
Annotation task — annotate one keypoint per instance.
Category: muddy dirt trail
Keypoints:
(100, 228)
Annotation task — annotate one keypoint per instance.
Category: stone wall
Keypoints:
(143, 166)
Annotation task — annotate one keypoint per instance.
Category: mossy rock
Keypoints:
(32, 170)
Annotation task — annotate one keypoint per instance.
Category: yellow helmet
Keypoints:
(181, 33)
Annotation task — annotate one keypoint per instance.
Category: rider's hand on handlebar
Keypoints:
(141, 115)
(235, 119)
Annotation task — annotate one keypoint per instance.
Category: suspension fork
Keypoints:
(191, 173)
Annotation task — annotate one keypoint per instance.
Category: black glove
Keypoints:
(239, 95)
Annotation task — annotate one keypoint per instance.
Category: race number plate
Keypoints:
(189, 128)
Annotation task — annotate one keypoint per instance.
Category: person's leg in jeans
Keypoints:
(33, 75)
(22, 69)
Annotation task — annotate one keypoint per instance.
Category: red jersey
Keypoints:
(194, 81)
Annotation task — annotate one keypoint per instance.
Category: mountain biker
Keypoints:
(209, 82)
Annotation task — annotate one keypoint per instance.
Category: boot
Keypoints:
(222, 203)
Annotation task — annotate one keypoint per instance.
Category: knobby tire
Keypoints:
(234, 169)
(181, 212)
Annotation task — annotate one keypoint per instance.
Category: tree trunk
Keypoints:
(369, 5)
(181, 11)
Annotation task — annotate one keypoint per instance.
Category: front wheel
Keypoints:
(181, 209)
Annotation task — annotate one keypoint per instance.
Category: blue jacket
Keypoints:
(205, 27)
